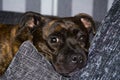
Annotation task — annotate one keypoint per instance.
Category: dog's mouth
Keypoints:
(65, 72)
(66, 65)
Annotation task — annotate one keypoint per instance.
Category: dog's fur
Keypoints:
(63, 41)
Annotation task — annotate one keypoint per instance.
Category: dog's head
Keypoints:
(63, 41)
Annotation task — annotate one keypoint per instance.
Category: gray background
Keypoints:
(96, 8)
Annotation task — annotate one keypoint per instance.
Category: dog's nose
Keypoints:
(76, 59)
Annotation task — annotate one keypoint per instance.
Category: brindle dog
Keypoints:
(63, 41)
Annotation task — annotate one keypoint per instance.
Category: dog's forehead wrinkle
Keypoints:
(48, 25)
(56, 26)
(52, 27)
(68, 24)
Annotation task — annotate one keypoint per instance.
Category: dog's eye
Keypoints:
(81, 38)
(54, 40)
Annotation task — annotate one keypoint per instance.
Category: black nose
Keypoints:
(76, 59)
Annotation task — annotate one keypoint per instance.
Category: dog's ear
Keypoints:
(87, 21)
(29, 22)
(31, 19)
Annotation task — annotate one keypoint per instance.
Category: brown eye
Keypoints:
(54, 40)
(81, 38)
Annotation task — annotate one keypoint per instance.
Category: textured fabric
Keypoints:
(29, 64)
(104, 55)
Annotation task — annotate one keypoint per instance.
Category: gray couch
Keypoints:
(8, 17)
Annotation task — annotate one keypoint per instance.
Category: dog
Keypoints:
(64, 41)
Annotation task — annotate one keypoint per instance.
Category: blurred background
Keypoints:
(62, 8)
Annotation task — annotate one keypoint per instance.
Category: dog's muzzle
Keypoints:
(70, 59)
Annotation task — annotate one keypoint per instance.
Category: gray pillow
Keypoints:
(29, 64)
